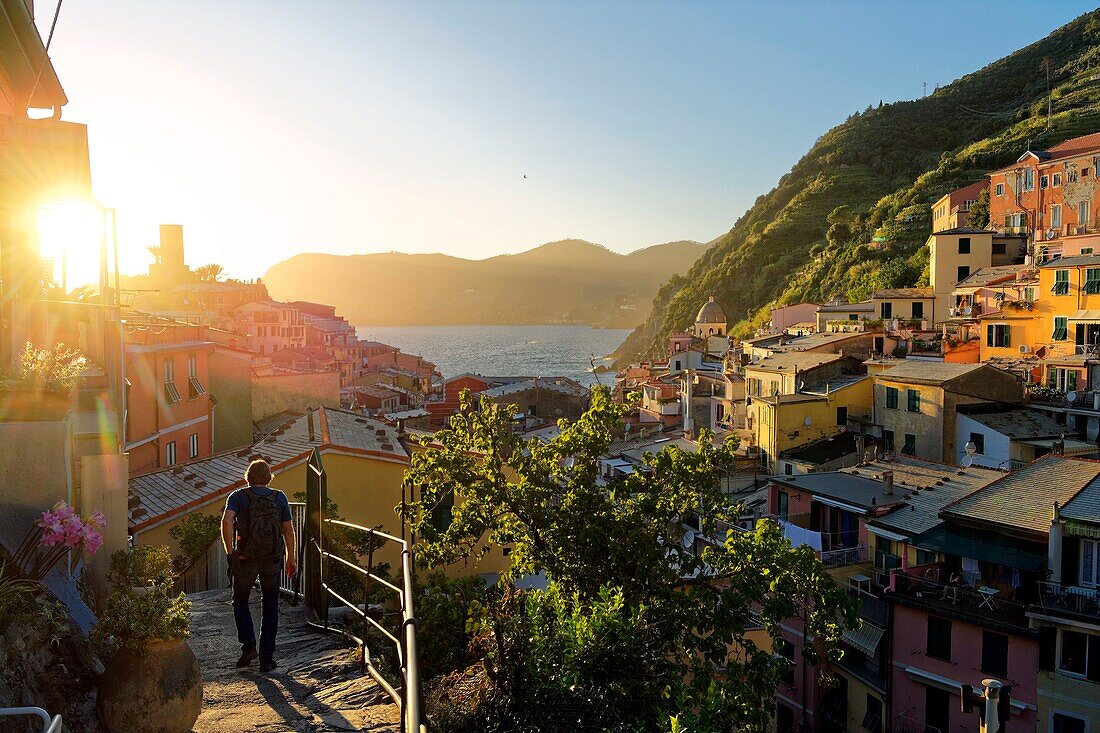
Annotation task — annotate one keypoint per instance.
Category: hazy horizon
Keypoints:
(473, 130)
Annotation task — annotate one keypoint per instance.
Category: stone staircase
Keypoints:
(317, 687)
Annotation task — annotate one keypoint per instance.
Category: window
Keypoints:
(1029, 179)
(842, 416)
(925, 557)
(964, 245)
(1086, 250)
(1072, 175)
(1080, 655)
(1014, 221)
(1090, 563)
(1084, 172)
(853, 316)
(1029, 294)
(194, 386)
(443, 511)
(786, 651)
(937, 708)
(888, 441)
(1061, 282)
(1062, 723)
(962, 273)
(788, 469)
(999, 189)
(918, 309)
(1083, 213)
(939, 638)
(1061, 328)
(912, 400)
(1043, 181)
(1092, 280)
(1055, 216)
(887, 310)
(1056, 179)
(978, 439)
(1064, 380)
(995, 653)
(1000, 248)
(996, 335)
(909, 448)
(872, 719)
(171, 394)
(784, 502)
(892, 398)
(193, 445)
(170, 453)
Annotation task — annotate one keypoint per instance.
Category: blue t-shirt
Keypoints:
(240, 499)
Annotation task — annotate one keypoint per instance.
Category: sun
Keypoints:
(70, 235)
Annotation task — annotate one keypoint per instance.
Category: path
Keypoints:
(317, 688)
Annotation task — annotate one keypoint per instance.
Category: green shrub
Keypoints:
(51, 369)
(144, 565)
(194, 534)
(139, 608)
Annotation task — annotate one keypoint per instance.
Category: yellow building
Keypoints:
(785, 421)
(904, 304)
(365, 461)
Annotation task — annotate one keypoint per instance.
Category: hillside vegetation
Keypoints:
(570, 281)
(854, 213)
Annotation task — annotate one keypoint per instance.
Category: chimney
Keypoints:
(888, 483)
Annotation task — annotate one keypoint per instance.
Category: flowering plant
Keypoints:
(55, 533)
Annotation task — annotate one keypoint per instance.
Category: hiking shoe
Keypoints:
(247, 655)
(266, 665)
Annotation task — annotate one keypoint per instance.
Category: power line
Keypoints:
(46, 53)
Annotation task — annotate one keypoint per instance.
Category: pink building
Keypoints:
(786, 316)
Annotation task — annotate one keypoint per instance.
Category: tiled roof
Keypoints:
(1075, 146)
(927, 372)
(1085, 507)
(795, 361)
(1019, 424)
(825, 450)
(927, 487)
(864, 306)
(986, 275)
(159, 494)
(964, 230)
(566, 387)
(857, 490)
(1023, 499)
(898, 293)
(814, 341)
(1074, 261)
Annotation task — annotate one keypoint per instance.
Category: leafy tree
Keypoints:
(979, 210)
(632, 618)
(194, 535)
(209, 273)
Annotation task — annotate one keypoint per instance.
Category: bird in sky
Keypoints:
(524, 175)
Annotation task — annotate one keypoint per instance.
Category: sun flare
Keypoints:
(70, 235)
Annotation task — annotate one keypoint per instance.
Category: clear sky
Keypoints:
(269, 128)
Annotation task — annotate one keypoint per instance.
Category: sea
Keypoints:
(537, 351)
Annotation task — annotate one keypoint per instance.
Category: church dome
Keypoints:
(711, 312)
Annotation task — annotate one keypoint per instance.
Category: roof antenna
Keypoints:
(592, 361)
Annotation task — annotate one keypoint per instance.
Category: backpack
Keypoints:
(258, 527)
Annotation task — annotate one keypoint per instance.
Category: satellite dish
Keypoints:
(689, 540)
(801, 384)
(628, 427)
(807, 421)
(1071, 396)
(967, 461)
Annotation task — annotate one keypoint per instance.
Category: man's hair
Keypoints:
(258, 473)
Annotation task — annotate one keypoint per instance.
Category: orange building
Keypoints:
(168, 409)
(1052, 197)
(953, 210)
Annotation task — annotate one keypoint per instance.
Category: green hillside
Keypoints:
(854, 213)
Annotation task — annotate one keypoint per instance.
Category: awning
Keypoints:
(1092, 316)
(1072, 447)
(866, 638)
(1082, 529)
(985, 546)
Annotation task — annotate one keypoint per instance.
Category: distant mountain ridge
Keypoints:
(569, 281)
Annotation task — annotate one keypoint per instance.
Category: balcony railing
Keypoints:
(844, 556)
(905, 724)
(922, 587)
(1075, 599)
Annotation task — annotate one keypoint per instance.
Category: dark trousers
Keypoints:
(245, 573)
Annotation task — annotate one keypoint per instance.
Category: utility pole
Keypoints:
(924, 88)
(1046, 65)
(993, 705)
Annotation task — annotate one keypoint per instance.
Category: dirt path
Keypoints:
(317, 687)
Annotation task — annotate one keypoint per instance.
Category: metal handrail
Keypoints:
(49, 725)
(318, 592)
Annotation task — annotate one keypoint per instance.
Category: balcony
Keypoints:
(844, 556)
(921, 587)
(1074, 600)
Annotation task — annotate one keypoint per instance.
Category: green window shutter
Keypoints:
(913, 400)
(989, 335)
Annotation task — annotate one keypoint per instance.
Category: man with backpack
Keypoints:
(258, 535)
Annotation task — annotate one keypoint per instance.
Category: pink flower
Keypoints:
(49, 522)
(63, 511)
(97, 520)
(93, 544)
(71, 539)
(51, 539)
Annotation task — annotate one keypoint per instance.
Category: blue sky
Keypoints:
(269, 128)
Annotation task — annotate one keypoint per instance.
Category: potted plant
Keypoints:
(153, 683)
(39, 386)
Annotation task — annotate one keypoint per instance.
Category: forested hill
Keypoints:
(854, 213)
(571, 281)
